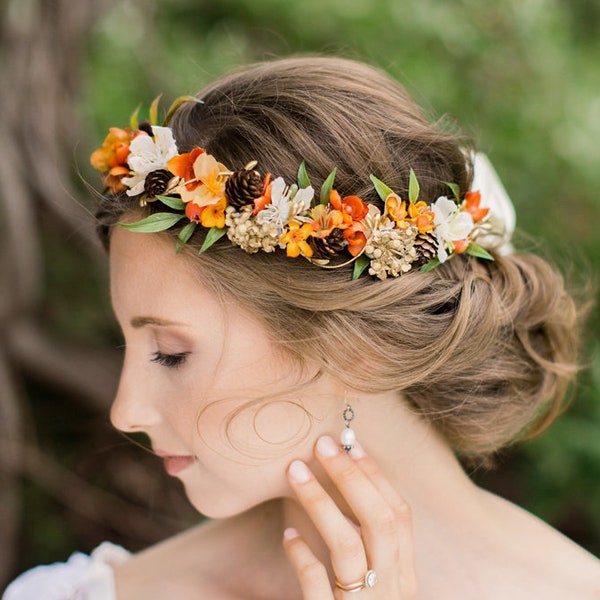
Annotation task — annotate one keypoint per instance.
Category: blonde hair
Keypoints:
(484, 350)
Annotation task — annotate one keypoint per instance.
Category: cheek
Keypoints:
(253, 432)
(280, 422)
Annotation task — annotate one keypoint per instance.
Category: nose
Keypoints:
(133, 409)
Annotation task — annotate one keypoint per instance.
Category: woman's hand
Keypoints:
(383, 543)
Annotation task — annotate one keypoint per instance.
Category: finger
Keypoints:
(402, 510)
(346, 547)
(311, 573)
(379, 513)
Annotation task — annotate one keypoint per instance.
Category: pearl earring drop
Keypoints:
(348, 436)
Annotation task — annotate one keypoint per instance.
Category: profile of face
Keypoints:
(195, 368)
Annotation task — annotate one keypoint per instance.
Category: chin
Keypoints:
(221, 506)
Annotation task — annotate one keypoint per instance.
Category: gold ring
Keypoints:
(369, 580)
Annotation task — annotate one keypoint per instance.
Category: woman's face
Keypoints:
(193, 362)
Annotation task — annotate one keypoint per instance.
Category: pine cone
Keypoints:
(324, 248)
(157, 182)
(426, 245)
(243, 187)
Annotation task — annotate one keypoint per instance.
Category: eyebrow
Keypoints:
(138, 322)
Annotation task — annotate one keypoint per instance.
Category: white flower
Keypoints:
(302, 200)
(281, 210)
(451, 225)
(149, 154)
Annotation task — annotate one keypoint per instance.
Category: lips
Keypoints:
(174, 464)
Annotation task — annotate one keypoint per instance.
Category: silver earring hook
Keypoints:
(348, 437)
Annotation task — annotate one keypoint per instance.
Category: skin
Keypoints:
(291, 511)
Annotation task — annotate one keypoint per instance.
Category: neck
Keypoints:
(418, 463)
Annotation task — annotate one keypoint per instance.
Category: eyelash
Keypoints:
(171, 361)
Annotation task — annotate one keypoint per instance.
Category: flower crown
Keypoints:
(259, 212)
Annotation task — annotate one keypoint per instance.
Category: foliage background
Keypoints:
(520, 75)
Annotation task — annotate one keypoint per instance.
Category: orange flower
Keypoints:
(194, 212)
(421, 216)
(112, 180)
(461, 245)
(206, 185)
(295, 240)
(335, 199)
(213, 215)
(111, 158)
(356, 238)
(114, 150)
(472, 200)
(209, 216)
(396, 209)
(264, 200)
(182, 165)
(349, 205)
(355, 207)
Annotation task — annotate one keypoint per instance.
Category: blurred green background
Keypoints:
(520, 76)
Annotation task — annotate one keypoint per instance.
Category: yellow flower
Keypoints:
(325, 220)
(295, 240)
(421, 216)
(418, 214)
(396, 209)
(213, 215)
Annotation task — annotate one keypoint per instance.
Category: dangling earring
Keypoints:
(348, 436)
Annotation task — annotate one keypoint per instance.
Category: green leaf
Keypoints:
(432, 264)
(360, 264)
(383, 190)
(175, 106)
(154, 110)
(133, 120)
(455, 190)
(327, 187)
(184, 235)
(413, 188)
(154, 223)
(478, 251)
(172, 202)
(214, 234)
(292, 191)
(303, 180)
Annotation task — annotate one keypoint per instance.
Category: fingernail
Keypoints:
(357, 451)
(290, 533)
(327, 447)
(299, 472)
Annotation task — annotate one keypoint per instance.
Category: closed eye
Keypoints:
(171, 361)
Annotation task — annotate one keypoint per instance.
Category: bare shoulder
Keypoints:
(544, 560)
(580, 570)
(572, 571)
(200, 558)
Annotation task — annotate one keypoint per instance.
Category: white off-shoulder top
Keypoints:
(82, 577)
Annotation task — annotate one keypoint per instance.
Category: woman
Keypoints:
(337, 271)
